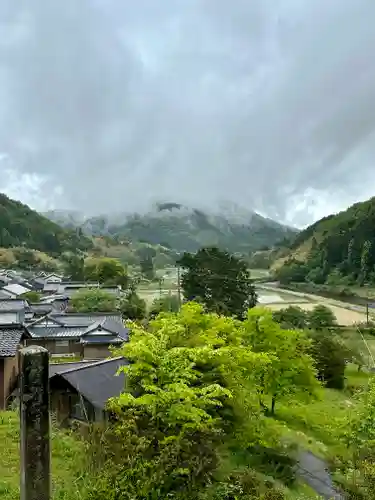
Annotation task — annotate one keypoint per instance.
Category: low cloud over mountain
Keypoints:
(108, 106)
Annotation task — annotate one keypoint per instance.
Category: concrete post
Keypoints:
(34, 423)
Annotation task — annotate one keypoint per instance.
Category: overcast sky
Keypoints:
(111, 105)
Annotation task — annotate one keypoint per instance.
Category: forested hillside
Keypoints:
(337, 249)
(22, 227)
(187, 229)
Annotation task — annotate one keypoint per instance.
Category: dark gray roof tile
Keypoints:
(10, 339)
(97, 382)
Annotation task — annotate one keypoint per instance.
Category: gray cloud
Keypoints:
(112, 105)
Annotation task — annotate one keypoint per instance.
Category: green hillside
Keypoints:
(22, 227)
(181, 229)
(336, 249)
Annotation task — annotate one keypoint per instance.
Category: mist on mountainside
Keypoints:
(109, 107)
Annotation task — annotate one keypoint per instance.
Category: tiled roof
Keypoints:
(54, 332)
(78, 325)
(111, 325)
(97, 382)
(41, 308)
(12, 304)
(9, 340)
(76, 319)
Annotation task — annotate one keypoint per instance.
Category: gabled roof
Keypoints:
(45, 319)
(78, 325)
(109, 325)
(10, 338)
(97, 382)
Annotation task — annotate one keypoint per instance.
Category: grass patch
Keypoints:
(319, 425)
(69, 482)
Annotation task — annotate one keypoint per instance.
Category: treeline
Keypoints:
(342, 249)
(22, 227)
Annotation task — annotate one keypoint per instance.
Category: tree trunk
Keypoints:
(273, 403)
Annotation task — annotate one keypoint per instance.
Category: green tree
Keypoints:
(360, 437)
(93, 300)
(106, 271)
(219, 280)
(321, 317)
(365, 262)
(291, 368)
(168, 303)
(74, 266)
(147, 267)
(189, 393)
(330, 357)
(292, 271)
(291, 317)
(32, 296)
(133, 307)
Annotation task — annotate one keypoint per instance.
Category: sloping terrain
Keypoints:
(187, 229)
(22, 227)
(333, 248)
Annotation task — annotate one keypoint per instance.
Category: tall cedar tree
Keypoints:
(218, 280)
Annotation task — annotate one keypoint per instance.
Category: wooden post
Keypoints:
(35, 423)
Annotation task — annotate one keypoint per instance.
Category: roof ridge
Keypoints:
(94, 363)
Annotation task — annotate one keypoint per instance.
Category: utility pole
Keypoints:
(367, 315)
(160, 282)
(179, 286)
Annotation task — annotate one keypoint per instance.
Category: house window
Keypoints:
(62, 343)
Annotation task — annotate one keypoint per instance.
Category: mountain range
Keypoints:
(183, 228)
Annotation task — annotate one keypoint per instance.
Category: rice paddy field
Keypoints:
(275, 299)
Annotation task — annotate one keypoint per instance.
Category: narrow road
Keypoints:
(314, 471)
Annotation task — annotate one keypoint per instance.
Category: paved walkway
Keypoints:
(315, 473)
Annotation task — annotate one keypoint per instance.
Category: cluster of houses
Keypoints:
(80, 387)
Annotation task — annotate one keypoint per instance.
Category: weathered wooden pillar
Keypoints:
(35, 423)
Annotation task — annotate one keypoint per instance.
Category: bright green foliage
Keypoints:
(133, 307)
(106, 271)
(291, 369)
(321, 317)
(361, 439)
(192, 394)
(218, 280)
(93, 300)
